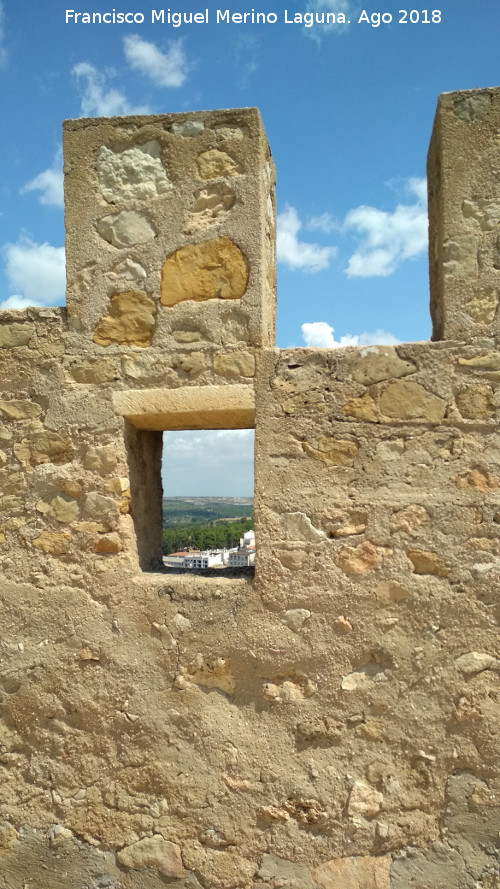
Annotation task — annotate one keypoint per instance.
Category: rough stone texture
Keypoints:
(464, 210)
(212, 270)
(126, 228)
(331, 721)
(354, 873)
(134, 174)
(130, 320)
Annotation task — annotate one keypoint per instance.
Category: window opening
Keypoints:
(192, 499)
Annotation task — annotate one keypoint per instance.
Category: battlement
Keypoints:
(332, 720)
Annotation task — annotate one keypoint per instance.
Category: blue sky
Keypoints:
(348, 110)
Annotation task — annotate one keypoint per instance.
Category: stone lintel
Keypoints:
(194, 407)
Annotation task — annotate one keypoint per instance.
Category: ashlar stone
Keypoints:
(407, 400)
(215, 269)
(126, 228)
(130, 320)
(134, 174)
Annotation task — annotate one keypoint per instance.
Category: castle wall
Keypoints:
(332, 721)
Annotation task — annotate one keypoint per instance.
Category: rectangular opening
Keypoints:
(221, 419)
(208, 500)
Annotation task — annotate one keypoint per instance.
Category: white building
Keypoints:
(244, 556)
(205, 559)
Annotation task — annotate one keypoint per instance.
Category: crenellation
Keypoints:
(331, 720)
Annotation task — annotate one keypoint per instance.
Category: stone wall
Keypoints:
(331, 722)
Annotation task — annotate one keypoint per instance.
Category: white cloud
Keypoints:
(49, 183)
(163, 68)
(98, 98)
(210, 463)
(3, 49)
(298, 254)
(325, 222)
(388, 238)
(36, 272)
(320, 335)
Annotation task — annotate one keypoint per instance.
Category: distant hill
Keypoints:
(205, 510)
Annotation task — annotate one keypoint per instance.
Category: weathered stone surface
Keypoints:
(234, 364)
(439, 868)
(409, 401)
(192, 364)
(275, 871)
(126, 228)
(215, 163)
(476, 402)
(364, 800)
(481, 479)
(410, 519)
(12, 335)
(295, 618)
(214, 269)
(363, 408)
(488, 365)
(298, 526)
(211, 203)
(188, 128)
(46, 447)
(471, 107)
(483, 306)
(100, 507)
(154, 852)
(101, 459)
(129, 270)
(428, 563)
(475, 662)
(59, 508)
(389, 591)
(357, 560)
(53, 543)
(376, 363)
(136, 173)
(460, 257)
(20, 410)
(108, 543)
(130, 320)
(209, 674)
(332, 451)
(101, 370)
(354, 873)
(484, 211)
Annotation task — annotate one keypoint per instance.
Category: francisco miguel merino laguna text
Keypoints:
(221, 16)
